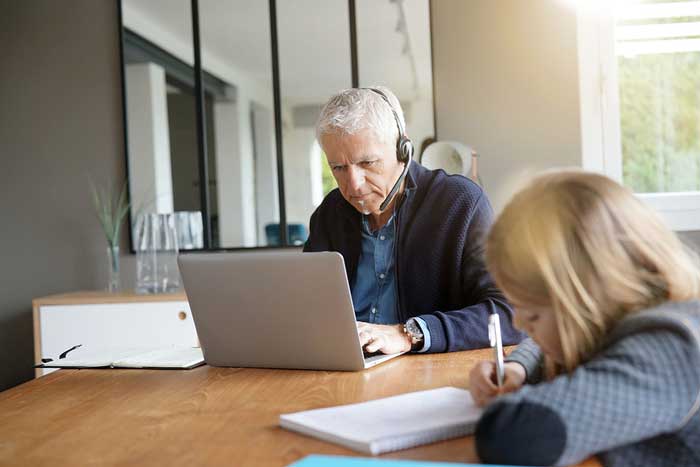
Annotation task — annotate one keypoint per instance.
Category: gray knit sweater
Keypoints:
(634, 404)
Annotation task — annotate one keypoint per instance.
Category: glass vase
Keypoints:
(156, 254)
(114, 283)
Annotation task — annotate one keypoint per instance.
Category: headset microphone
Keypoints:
(393, 191)
(404, 150)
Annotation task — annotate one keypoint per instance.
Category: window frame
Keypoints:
(601, 140)
(203, 82)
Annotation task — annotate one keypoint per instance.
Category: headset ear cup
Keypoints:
(405, 149)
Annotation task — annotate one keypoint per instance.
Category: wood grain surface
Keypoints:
(89, 297)
(206, 416)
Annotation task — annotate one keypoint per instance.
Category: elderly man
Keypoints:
(411, 237)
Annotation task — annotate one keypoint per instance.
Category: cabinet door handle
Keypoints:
(182, 315)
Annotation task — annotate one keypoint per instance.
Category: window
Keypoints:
(640, 96)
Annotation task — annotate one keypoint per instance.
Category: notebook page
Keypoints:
(92, 358)
(391, 423)
(316, 460)
(173, 357)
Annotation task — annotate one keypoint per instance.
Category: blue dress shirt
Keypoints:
(374, 293)
(374, 290)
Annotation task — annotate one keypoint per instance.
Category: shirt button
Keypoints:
(374, 310)
(382, 237)
(382, 276)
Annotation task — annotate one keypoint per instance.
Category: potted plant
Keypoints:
(111, 210)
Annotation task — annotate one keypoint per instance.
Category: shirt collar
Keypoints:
(365, 224)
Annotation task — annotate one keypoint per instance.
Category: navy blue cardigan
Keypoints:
(440, 271)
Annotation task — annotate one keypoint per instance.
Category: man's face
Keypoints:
(365, 168)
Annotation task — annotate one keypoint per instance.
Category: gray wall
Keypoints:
(506, 82)
(60, 120)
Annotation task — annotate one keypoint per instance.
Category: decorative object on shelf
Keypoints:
(454, 158)
(474, 170)
(110, 212)
(190, 231)
(114, 278)
(156, 253)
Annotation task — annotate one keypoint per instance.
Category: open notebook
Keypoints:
(169, 357)
(392, 423)
(316, 460)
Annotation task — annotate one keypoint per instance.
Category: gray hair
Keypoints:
(353, 110)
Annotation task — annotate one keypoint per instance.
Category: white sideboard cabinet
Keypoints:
(110, 320)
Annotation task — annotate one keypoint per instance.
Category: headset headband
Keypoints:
(391, 107)
(404, 149)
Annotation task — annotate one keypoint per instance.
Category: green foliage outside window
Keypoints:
(660, 108)
(660, 120)
(327, 176)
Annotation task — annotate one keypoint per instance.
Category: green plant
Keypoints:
(329, 182)
(110, 211)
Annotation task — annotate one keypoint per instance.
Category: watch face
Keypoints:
(413, 329)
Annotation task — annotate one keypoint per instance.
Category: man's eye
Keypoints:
(337, 168)
(367, 163)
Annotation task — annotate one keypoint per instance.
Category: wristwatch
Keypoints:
(412, 329)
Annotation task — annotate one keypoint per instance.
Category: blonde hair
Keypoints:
(585, 247)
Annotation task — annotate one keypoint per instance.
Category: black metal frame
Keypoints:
(201, 127)
(354, 66)
(122, 76)
(202, 80)
(278, 120)
(432, 66)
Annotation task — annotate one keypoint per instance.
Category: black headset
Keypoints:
(404, 149)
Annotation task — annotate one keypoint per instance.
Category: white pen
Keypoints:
(497, 344)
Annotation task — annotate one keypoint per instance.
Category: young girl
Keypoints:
(609, 298)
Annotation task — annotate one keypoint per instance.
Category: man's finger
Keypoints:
(375, 344)
(365, 338)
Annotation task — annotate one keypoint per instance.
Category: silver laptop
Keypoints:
(274, 310)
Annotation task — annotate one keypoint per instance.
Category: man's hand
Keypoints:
(482, 383)
(388, 339)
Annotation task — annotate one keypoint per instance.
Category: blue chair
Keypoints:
(296, 234)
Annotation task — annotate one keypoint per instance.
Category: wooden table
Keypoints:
(205, 416)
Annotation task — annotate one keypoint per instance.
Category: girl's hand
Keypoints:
(482, 381)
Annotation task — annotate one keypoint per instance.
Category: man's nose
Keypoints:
(356, 178)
